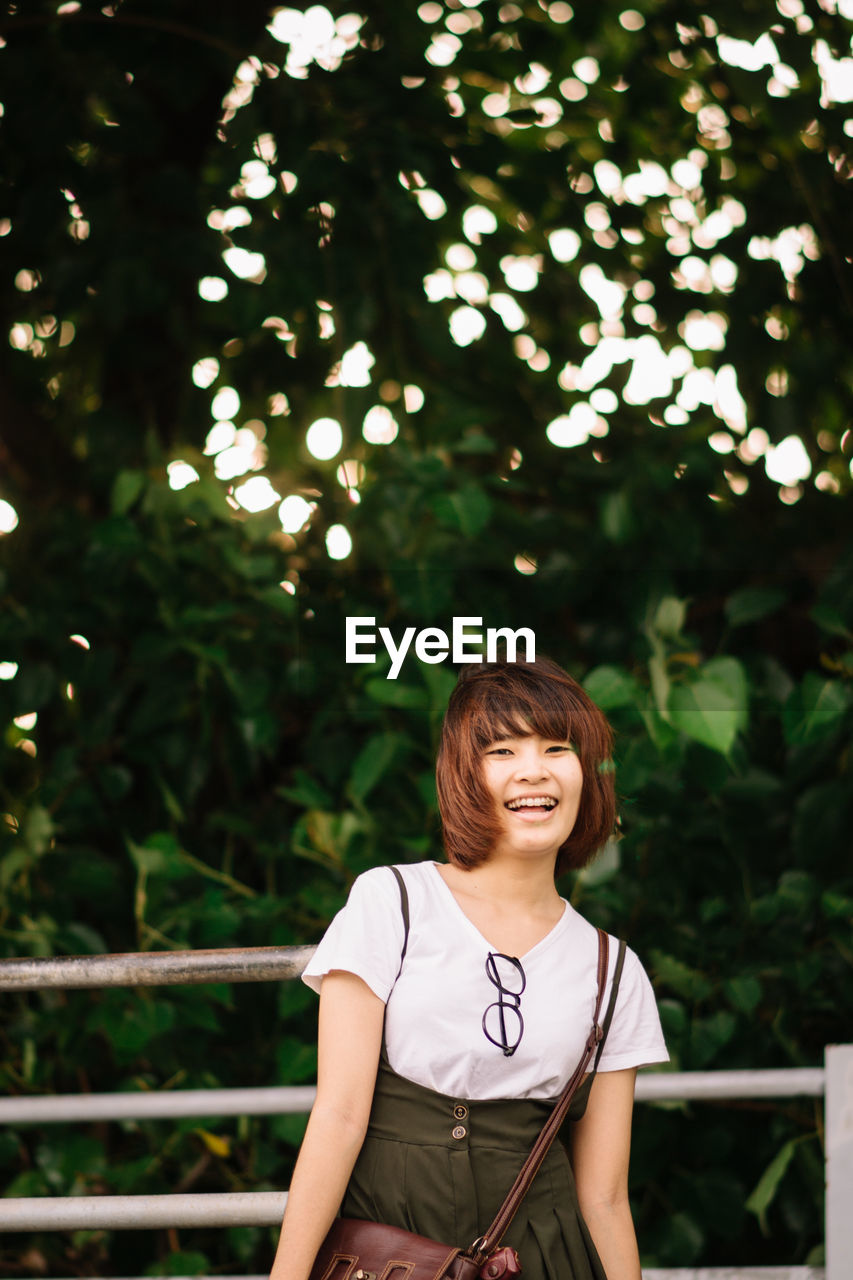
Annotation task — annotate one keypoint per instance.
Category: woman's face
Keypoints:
(536, 784)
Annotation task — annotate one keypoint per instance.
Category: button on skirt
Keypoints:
(442, 1166)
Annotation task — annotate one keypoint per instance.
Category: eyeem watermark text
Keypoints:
(433, 645)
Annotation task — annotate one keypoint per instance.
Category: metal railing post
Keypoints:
(839, 1161)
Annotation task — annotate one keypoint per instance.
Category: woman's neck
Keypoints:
(525, 884)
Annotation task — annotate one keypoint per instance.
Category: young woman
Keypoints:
(437, 1071)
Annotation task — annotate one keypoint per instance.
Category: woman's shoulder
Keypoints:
(381, 886)
(585, 935)
(383, 880)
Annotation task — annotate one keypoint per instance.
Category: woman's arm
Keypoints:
(601, 1143)
(350, 1038)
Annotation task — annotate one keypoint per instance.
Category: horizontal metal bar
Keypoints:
(176, 1104)
(660, 1086)
(734, 1273)
(677, 1086)
(123, 1213)
(155, 968)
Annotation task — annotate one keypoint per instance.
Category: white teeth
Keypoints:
(532, 802)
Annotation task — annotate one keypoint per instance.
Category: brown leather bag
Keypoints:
(373, 1251)
(359, 1250)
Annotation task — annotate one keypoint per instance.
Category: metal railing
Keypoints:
(265, 1208)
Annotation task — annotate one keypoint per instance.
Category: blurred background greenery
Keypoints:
(535, 312)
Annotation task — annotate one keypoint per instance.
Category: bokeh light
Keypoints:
(181, 474)
(220, 436)
(324, 439)
(466, 325)
(246, 265)
(478, 221)
(205, 371)
(788, 462)
(338, 542)
(564, 244)
(256, 494)
(295, 512)
(213, 288)
(380, 426)
(350, 474)
(225, 404)
(356, 364)
(413, 398)
(8, 517)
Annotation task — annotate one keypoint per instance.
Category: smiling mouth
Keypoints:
(536, 804)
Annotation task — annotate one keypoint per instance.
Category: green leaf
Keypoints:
(296, 1063)
(660, 684)
(712, 708)
(706, 713)
(181, 1263)
(131, 1026)
(617, 516)
(836, 906)
(127, 487)
(814, 709)
(393, 694)
(829, 619)
(730, 675)
(475, 443)
(374, 759)
(709, 1037)
(768, 1184)
(743, 994)
(679, 977)
(604, 866)
(289, 1128)
(440, 681)
(306, 791)
(669, 617)
(752, 603)
(160, 856)
(661, 733)
(37, 830)
(468, 510)
(611, 687)
(684, 1237)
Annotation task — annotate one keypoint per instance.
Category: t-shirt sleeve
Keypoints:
(365, 937)
(635, 1038)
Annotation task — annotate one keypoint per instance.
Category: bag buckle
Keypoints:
(501, 1265)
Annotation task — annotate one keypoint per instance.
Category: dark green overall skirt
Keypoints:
(442, 1166)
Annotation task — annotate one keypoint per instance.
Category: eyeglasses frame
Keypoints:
(512, 1001)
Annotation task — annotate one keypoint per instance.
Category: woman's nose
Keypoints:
(532, 766)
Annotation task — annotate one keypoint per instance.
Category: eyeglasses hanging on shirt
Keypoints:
(503, 1024)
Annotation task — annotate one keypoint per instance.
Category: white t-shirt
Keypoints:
(433, 1026)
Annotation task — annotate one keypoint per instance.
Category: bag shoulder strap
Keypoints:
(485, 1244)
(404, 908)
(611, 1004)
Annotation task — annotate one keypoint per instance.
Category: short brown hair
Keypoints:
(503, 699)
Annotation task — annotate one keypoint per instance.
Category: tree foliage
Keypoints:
(575, 288)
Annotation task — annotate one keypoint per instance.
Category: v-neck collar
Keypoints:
(481, 938)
